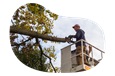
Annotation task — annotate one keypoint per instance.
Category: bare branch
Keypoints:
(45, 55)
(12, 22)
(37, 42)
(23, 37)
(21, 43)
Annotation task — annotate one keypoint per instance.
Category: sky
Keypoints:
(94, 35)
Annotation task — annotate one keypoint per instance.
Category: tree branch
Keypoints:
(37, 42)
(12, 22)
(36, 35)
(45, 55)
(50, 62)
(21, 43)
(14, 29)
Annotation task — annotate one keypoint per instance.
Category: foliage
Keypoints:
(31, 57)
(36, 18)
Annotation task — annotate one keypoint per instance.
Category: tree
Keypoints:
(31, 57)
(33, 22)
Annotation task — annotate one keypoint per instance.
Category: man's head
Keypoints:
(76, 27)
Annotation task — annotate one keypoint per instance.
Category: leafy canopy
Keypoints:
(36, 18)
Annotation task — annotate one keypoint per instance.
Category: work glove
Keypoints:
(68, 39)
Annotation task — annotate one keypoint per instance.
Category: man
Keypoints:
(79, 35)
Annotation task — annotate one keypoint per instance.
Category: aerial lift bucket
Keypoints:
(68, 59)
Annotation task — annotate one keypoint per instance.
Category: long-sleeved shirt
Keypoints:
(80, 34)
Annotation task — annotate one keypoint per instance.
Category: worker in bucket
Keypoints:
(80, 34)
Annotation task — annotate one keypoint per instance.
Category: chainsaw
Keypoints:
(69, 39)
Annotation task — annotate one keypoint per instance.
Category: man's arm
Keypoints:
(77, 34)
(71, 36)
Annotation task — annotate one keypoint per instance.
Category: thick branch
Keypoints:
(14, 29)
